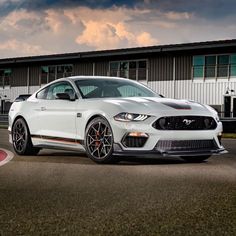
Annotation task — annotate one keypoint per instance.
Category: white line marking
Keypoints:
(10, 155)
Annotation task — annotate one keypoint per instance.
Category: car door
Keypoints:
(56, 117)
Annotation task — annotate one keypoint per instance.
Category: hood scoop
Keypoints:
(178, 106)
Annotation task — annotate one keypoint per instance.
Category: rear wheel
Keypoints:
(21, 139)
(99, 141)
(196, 159)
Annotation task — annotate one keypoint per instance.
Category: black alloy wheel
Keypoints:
(21, 139)
(99, 141)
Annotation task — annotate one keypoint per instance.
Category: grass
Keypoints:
(229, 135)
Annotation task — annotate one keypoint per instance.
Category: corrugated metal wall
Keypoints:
(85, 68)
(209, 92)
(34, 75)
(160, 68)
(102, 68)
(183, 67)
(19, 76)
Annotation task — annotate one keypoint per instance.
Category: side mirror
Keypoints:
(64, 96)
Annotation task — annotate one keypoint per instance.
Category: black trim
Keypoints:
(122, 52)
(59, 139)
(119, 151)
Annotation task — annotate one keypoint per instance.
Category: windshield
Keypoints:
(110, 88)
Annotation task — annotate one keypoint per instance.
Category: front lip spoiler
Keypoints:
(118, 151)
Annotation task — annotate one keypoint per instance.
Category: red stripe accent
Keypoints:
(3, 155)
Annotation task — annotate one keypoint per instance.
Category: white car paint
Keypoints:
(60, 119)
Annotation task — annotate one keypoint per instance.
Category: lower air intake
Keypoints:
(185, 145)
(134, 142)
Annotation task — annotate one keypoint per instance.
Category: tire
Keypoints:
(99, 141)
(21, 139)
(196, 159)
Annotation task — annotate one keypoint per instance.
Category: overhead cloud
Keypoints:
(10, 47)
(58, 26)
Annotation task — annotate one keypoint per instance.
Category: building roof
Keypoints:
(170, 48)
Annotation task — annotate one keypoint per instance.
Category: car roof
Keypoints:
(82, 77)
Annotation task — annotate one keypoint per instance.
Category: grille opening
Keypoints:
(185, 145)
(135, 142)
(185, 123)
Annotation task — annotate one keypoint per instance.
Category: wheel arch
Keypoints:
(19, 117)
(93, 117)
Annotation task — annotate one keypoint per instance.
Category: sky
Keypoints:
(39, 27)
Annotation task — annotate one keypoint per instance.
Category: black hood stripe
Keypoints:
(177, 106)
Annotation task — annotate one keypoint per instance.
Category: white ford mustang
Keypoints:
(108, 117)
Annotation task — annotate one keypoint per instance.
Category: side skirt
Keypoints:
(50, 142)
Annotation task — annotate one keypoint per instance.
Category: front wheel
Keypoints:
(99, 141)
(21, 139)
(196, 159)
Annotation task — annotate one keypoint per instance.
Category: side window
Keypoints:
(42, 94)
(50, 92)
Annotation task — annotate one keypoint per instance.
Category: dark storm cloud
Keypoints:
(205, 8)
(36, 5)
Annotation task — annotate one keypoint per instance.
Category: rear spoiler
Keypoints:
(22, 97)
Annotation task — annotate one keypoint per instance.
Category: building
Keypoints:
(204, 72)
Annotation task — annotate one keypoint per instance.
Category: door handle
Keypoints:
(43, 108)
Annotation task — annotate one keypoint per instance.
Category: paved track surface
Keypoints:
(64, 193)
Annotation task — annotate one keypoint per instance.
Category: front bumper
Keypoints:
(119, 151)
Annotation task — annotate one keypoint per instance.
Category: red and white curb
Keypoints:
(5, 156)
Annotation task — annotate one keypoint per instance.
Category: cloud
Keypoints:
(17, 48)
(110, 28)
(101, 35)
(145, 39)
(50, 26)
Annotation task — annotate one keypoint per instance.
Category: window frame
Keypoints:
(128, 69)
(216, 67)
(64, 74)
(3, 85)
(47, 87)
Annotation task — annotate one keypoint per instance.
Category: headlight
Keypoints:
(130, 117)
(215, 113)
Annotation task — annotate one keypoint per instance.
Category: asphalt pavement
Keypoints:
(65, 193)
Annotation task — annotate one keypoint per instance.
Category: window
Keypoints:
(233, 65)
(50, 73)
(124, 69)
(5, 75)
(214, 66)
(50, 92)
(223, 66)
(135, 70)
(210, 63)
(104, 88)
(142, 66)
(131, 91)
(114, 68)
(198, 66)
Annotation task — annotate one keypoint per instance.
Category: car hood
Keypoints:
(154, 105)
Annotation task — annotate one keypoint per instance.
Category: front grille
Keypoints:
(185, 145)
(134, 142)
(185, 123)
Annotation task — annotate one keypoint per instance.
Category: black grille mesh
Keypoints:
(134, 141)
(185, 145)
(185, 123)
